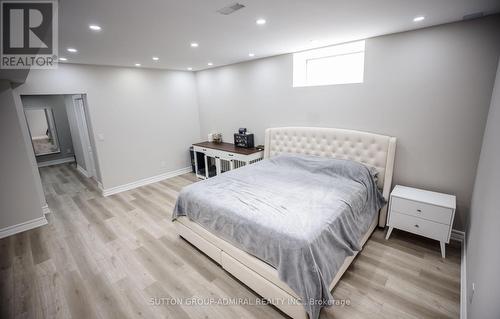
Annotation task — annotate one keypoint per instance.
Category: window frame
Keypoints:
(300, 61)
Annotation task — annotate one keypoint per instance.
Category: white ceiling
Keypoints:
(134, 31)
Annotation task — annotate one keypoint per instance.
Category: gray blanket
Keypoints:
(303, 215)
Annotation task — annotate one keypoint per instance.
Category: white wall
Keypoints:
(430, 88)
(483, 253)
(21, 194)
(148, 118)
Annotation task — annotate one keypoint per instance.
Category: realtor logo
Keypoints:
(29, 34)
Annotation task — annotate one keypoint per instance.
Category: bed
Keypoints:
(302, 254)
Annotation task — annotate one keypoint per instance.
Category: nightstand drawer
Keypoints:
(419, 226)
(426, 211)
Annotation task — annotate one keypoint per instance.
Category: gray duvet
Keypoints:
(303, 215)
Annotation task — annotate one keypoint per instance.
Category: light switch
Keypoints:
(100, 137)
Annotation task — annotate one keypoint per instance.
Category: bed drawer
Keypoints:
(208, 248)
(426, 211)
(419, 226)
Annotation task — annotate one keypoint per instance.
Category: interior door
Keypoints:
(84, 133)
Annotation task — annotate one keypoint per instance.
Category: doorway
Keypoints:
(86, 165)
(60, 131)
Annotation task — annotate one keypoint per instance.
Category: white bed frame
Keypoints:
(371, 149)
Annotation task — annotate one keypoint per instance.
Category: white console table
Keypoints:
(224, 156)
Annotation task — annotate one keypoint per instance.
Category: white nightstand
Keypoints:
(422, 212)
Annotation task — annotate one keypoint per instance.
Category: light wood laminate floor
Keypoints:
(107, 257)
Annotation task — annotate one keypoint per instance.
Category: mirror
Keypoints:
(42, 129)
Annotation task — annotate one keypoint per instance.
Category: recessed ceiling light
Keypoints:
(190, 69)
(260, 21)
(63, 59)
(194, 44)
(72, 50)
(155, 58)
(137, 64)
(418, 19)
(94, 27)
(251, 54)
(210, 64)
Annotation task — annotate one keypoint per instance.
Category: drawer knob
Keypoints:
(230, 154)
(416, 225)
(419, 210)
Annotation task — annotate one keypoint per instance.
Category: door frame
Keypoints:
(83, 130)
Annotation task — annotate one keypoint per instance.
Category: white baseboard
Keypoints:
(46, 209)
(463, 281)
(82, 171)
(457, 235)
(41, 137)
(11, 230)
(57, 161)
(142, 182)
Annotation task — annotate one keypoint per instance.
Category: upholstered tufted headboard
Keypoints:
(370, 149)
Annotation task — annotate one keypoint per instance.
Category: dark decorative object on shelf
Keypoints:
(243, 139)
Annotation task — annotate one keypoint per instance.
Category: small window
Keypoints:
(339, 64)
